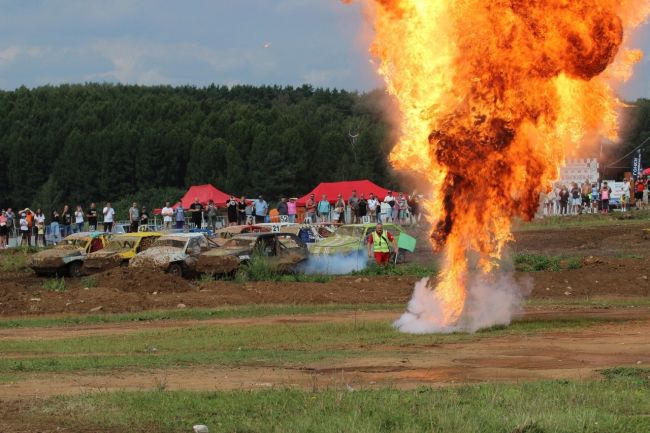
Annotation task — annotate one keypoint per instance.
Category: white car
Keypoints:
(175, 253)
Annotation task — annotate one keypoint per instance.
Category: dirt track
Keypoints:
(553, 355)
(614, 265)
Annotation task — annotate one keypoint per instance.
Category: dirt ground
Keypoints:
(613, 265)
(575, 354)
(613, 259)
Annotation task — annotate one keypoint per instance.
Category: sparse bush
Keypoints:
(55, 285)
(89, 282)
(409, 269)
(536, 263)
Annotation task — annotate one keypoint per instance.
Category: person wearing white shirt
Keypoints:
(373, 208)
(390, 201)
(109, 213)
(167, 213)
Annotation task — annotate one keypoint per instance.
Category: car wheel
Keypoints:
(124, 263)
(175, 269)
(74, 269)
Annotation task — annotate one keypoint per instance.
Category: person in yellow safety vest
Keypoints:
(380, 241)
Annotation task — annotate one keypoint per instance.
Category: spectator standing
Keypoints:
(144, 217)
(211, 212)
(30, 224)
(232, 209)
(353, 202)
(379, 242)
(197, 213)
(134, 217)
(180, 216)
(595, 198)
(283, 209)
(310, 209)
(605, 193)
(91, 216)
(167, 214)
(66, 217)
(261, 210)
(374, 208)
(624, 200)
(109, 216)
(25, 237)
(645, 194)
(250, 212)
(55, 230)
(292, 209)
(11, 222)
(78, 220)
(549, 202)
(390, 201)
(4, 230)
(362, 207)
(241, 211)
(576, 199)
(564, 200)
(403, 207)
(586, 196)
(39, 219)
(324, 209)
(638, 196)
(339, 209)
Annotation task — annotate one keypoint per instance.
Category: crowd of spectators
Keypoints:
(31, 226)
(593, 197)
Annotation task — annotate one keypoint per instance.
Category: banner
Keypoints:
(636, 165)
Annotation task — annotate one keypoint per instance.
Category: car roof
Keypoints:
(137, 235)
(84, 235)
(260, 235)
(183, 235)
(370, 225)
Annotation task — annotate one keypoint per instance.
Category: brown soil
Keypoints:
(127, 290)
(575, 354)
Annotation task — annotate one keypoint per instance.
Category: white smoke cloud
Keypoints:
(492, 300)
(336, 264)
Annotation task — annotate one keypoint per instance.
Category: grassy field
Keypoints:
(268, 344)
(620, 403)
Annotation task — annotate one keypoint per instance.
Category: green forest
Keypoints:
(104, 142)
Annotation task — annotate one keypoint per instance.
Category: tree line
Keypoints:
(81, 143)
(104, 142)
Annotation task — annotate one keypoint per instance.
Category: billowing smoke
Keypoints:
(493, 300)
(335, 264)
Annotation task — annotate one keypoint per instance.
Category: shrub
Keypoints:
(55, 285)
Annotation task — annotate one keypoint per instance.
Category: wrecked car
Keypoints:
(352, 239)
(119, 250)
(175, 253)
(68, 257)
(283, 251)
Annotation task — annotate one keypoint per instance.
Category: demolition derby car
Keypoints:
(68, 257)
(175, 253)
(352, 239)
(120, 249)
(282, 250)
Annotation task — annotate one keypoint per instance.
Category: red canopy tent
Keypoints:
(204, 193)
(333, 189)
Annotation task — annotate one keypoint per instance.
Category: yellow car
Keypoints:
(120, 249)
(68, 257)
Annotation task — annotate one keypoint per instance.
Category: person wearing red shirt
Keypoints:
(380, 242)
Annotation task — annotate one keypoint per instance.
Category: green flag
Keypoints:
(406, 242)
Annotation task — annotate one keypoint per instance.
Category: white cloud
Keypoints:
(9, 54)
(324, 77)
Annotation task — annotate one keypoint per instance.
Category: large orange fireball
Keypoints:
(492, 93)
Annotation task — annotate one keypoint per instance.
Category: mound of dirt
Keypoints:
(141, 281)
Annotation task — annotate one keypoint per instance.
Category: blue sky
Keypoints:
(196, 42)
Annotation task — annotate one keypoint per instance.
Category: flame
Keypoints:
(492, 93)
